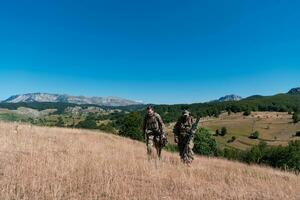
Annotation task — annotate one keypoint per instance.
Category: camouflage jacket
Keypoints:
(153, 123)
(183, 126)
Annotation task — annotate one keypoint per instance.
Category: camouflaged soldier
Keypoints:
(184, 136)
(154, 132)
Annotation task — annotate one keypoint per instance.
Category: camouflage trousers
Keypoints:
(185, 146)
(153, 141)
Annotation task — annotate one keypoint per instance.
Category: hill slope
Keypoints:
(275, 128)
(53, 163)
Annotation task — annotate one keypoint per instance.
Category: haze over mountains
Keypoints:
(64, 98)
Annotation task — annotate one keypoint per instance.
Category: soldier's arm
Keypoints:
(161, 123)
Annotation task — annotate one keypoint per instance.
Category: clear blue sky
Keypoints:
(155, 51)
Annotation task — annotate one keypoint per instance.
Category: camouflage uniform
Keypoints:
(153, 131)
(184, 137)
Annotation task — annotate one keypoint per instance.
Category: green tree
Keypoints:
(130, 126)
(205, 144)
(255, 154)
(223, 131)
(88, 123)
(254, 135)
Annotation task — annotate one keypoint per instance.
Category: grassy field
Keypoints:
(39, 163)
(274, 127)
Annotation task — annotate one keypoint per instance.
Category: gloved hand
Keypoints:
(176, 140)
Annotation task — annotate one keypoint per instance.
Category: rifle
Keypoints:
(195, 126)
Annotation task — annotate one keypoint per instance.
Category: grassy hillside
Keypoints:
(275, 128)
(52, 163)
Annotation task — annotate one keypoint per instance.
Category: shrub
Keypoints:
(88, 123)
(232, 154)
(130, 126)
(205, 144)
(107, 127)
(254, 135)
(255, 154)
(223, 131)
(232, 139)
(247, 113)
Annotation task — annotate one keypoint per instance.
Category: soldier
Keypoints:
(184, 135)
(153, 128)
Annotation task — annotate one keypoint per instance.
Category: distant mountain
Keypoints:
(64, 98)
(231, 97)
(294, 91)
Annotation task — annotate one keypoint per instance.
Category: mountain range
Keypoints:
(231, 97)
(64, 98)
(107, 101)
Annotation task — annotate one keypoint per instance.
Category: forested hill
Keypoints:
(61, 107)
(279, 103)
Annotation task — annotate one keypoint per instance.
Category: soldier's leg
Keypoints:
(191, 146)
(186, 149)
(181, 147)
(149, 144)
(157, 145)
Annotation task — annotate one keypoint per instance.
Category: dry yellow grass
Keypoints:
(276, 128)
(52, 163)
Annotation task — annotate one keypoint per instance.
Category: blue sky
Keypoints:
(153, 51)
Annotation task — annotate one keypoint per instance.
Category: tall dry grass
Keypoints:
(52, 163)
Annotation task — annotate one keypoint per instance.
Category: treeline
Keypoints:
(283, 157)
(277, 103)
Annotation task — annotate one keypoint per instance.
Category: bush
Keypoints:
(247, 113)
(88, 123)
(130, 126)
(232, 154)
(284, 157)
(255, 154)
(107, 128)
(223, 131)
(217, 132)
(232, 139)
(205, 144)
(254, 135)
